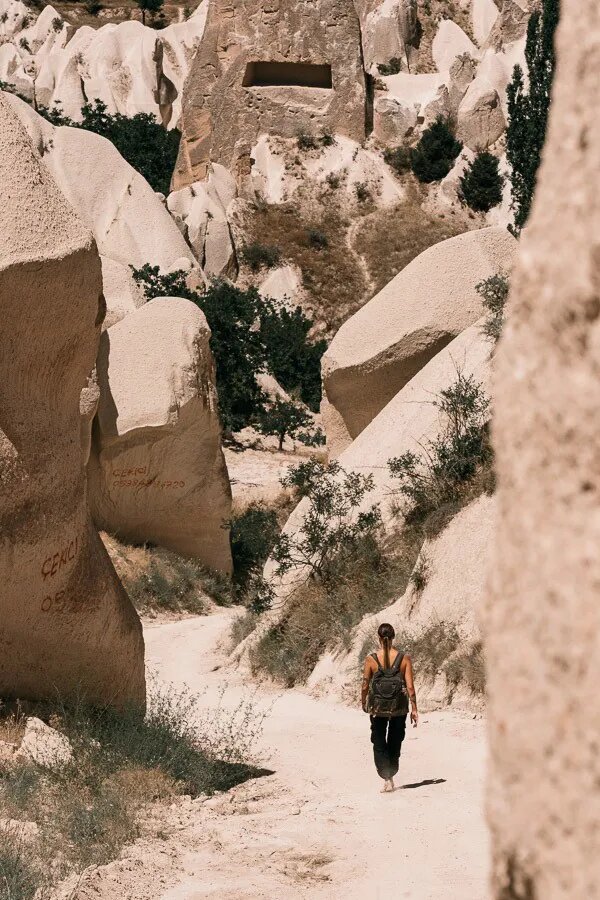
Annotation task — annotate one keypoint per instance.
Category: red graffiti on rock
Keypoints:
(62, 558)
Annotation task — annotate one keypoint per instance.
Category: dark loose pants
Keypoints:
(387, 736)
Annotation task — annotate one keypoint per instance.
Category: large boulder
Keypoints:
(542, 620)
(129, 222)
(66, 626)
(296, 67)
(157, 472)
(378, 350)
(389, 31)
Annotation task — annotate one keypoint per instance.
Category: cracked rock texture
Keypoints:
(66, 622)
(542, 618)
(227, 104)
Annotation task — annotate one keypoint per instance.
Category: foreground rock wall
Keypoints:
(66, 624)
(543, 616)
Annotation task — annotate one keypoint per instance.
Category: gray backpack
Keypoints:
(387, 691)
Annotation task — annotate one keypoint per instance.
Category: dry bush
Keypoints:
(468, 667)
(160, 581)
(439, 649)
(88, 809)
(391, 238)
(332, 275)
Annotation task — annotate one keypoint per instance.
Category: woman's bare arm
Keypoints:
(366, 680)
(410, 687)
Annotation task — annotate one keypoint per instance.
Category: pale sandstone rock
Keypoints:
(449, 42)
(201, 213)
(45, 746)
(157, 472)
(480, 117)
(223, 117)
(511, 24)
(283, 284)
(392, 121)
(542, 618)
(88, 407)
(406, 423)
(483, 16)
(389, 31)
(66, 625)
(378, 350)
(128, 66)
(130, 224)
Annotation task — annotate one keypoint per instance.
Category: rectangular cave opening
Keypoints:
(287, 74)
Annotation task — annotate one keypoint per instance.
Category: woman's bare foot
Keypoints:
(388, 786)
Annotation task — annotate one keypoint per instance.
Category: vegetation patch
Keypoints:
(435, 153)
(157, 580)
(391, 238)
(87, 809)
(481, 185)
(494, 294)
(332, 277)
(146, 145)
(249, 335)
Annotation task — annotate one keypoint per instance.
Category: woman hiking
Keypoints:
(387, 686)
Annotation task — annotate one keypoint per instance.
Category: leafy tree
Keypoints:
(334, 525)
(294, 360)
(481, 185)
(282, 418)
(253, 534)
(528, 109)
(494, 294)
(434, 155)
(151, 6)
(146, 145)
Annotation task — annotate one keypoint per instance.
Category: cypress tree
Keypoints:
(528, 110)
(481, 185)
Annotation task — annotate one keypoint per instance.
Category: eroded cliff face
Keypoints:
(66, 624)
(543, 616)
(281, 68)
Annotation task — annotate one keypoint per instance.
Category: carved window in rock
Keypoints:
(287, 74)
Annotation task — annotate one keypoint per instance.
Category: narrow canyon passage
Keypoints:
(319, 827)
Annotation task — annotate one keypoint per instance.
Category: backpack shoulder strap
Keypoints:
(397, 662)
(376, 658)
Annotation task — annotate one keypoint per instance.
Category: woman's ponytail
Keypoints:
(386, 634)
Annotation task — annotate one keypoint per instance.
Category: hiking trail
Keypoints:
(318, 827)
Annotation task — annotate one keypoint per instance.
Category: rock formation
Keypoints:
(296, 66)
(157, 471)
(66, 623)
(378, 350)
(542, 618)
(129, 67)
(129, 223)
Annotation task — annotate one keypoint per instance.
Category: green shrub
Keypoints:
(253, 535)
(258, 256)
(292, 357)
(399, 158)
(391, 68)
(307, 141)
(362, 191)
(317, 239)
(481, 185)
(151, 6)
(334, 179)
(333, 525)
(146, 145)
(528, 110)
(327, 138)
(438, 476)
(93, 7)
(434, 155)
(494, 294)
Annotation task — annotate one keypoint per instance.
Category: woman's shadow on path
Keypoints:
(424, 783)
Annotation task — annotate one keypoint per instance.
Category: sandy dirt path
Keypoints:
(318, 827)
